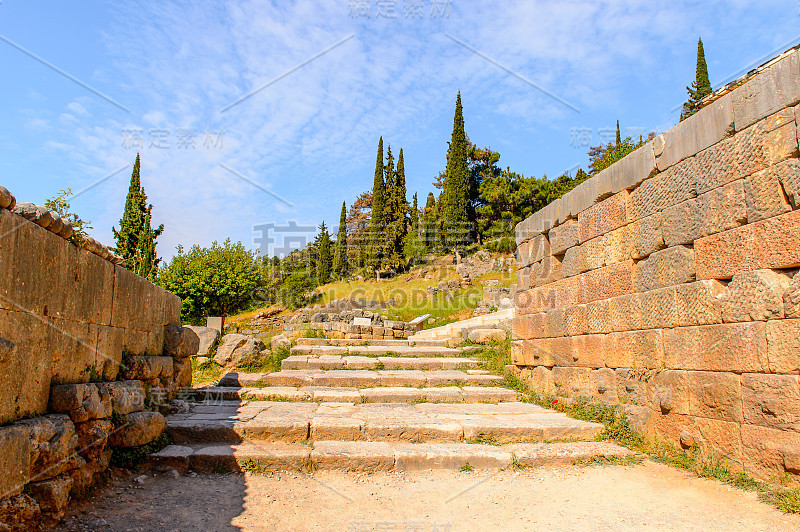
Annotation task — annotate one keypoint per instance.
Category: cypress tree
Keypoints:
(429, 221)
(414, 215)
(377, 225)
(340, 260)
(618, 145)
(454, 202)
(700, 87)
(396, 212)
(324, 261)
(388, 257)
(136, 240)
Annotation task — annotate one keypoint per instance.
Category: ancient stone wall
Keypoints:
(669, 281)
(90, 354)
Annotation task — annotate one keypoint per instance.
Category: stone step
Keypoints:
(444, 394)
(375, 456)
(380, 362)
(298, 422)
(379, 350)
(361, 378)
(369, 341)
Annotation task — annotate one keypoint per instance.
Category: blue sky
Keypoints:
(88, 84)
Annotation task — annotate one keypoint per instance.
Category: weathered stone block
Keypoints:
(616, 246)
(555, 323)
(92, 436)
(52, 495)
(181, 342)
(564, 236)
(81, 402)
(710, 213)
(15, 460)
(645, 236)
(768, 92)
(626, 312)
(592, 253)
(539, 353)
(109, 351)
(570, 382)
(605, 216)
(603, 384)
(719, 439)
(783, 346)
(675, 185)
(669, 392)
(588, 350)
(734, 347)
(791, 298)
(754, 296)
(575, 321)
(668, 267)
(53, 443)
(768, 451)
(632, 386)
(659, 308)
(140, 428)
(630, 170)
(95, 277)
(529, 326)
(574, 261)
(541, 380)
(705, 128)
(715, 395)
(608, 282)
(598, 317)
(524, 278)
(147, 368)
(771, 400)
(764, 193)
(698, 303)
(182, 373)
(772, 243)
(547, 271)
(760, 146)
(635, 349)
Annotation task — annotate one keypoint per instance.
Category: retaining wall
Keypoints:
(669, 280)
(91, 356)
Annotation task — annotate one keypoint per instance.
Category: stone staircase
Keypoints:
(369, 406)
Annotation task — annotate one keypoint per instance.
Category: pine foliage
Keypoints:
(454, 200)
(700, 87)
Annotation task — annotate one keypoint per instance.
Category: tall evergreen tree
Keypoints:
(340, 258)
(377, 226)
(429, 221)
(390, 205)
(396, 213)
(324, 260)
(700, 87)
(454, 201)
(618, 143)
(414, 215)
(136, 240)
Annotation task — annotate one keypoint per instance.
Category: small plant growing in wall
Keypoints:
(60, 205)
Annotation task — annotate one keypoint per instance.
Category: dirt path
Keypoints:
(568, 498)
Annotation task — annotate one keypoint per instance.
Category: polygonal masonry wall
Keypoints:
(669, 281)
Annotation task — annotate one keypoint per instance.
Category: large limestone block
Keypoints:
(15, 460)
(555, 323)
(92, 436)
(635, 349)
(109, 351)
(207, 335)
(182, 373)
(705, 128)
(732, 347)
(575, 320)
(768, 92)
(181, 342)
(719, 439)
(783, 346)
(754, 296)
(235, 348)
(534, 250)
(53, 443)
(715, 395)
(677, 184)
(769, 452)
(645, 236)
(626, 312)
(610, 281)
(546, 271)
(764, 190)
(598, 317)
(603, 385)
(791, 298)
(772, 243)
(660, 308)
(574, 261)
(771, 400)
(81, 402)
(569, 382)
(605, 216)
(630, 171)
(94, 277)
(668, 392)
(7, 200)
(524, 278)
(593, 253)
(760, 146)
(710, 213)
(668, 267)
(529, 326)
(140, 428)
(564, 236)
(539, 352)
(588, 350)
(134, 304)
(25, 376)
(632, 386)
(616, 246)
(147, 368)
(485, 336)
(541, 380)
(699, 303)
(126, 396)
(52, 495)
